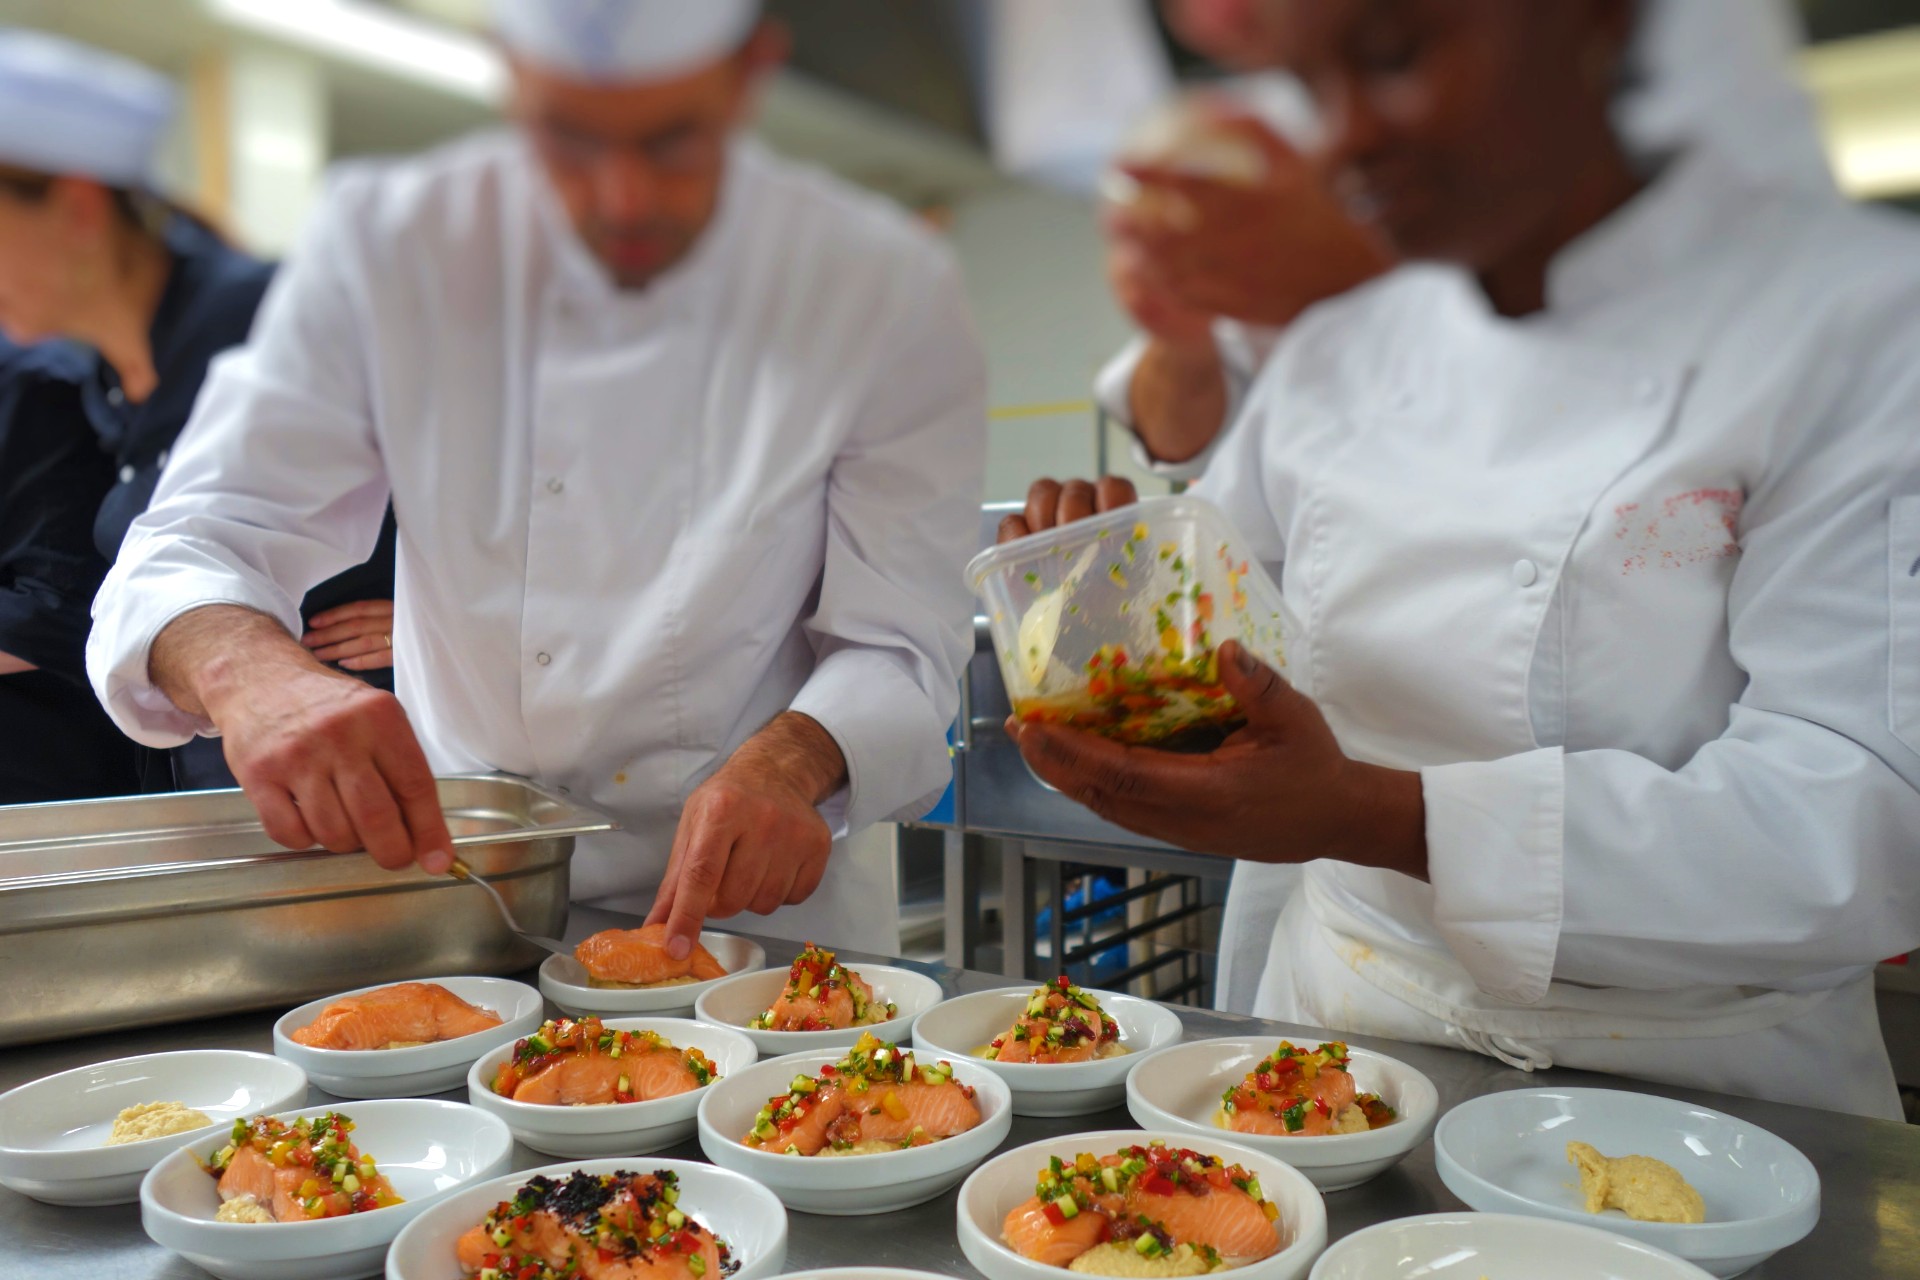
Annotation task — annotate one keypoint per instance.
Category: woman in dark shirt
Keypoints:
(131, 301)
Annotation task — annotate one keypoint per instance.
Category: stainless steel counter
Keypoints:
(1870, 1169)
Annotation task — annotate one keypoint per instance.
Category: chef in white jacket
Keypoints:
(685, 445)
(1600, 738)
(1210, 299)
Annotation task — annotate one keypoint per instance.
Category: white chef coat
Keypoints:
(634, 526)
(1716, 73)
(1632, 583)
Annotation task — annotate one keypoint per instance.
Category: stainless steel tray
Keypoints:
(125, 913)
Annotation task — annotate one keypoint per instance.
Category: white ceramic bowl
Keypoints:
(960, 1027)
(618, 1129)
(1179, 1089)
(733, 1002)
(52, 1131)
(410, 1073)
(426, 1148)
(1005, 1182)
(847, 1186)
(1507, 1153)
(743, 1214)
(564, 981)
(863, 1273)
(1494, 1246)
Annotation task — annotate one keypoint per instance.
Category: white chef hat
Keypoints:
(624, 40)
(68, 108)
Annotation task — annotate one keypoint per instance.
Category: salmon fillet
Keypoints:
(1060, 1023)
(1175, 1197)
(302, 1171)
(1033, 1236)
(620, 1226)
(1294, 1092)
(877, 1093)
(411, 1012)
(821, 994)
(638, 958)
(572, 1062)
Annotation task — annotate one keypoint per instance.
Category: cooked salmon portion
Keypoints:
(1060, 1023)
(620, 1226)
(1302, 1093)
(409, 1013)
(573, 1062)
(821, 994)
(1033, 1235)
(301, 1171)
(1229, 1221)
(876, 1094)
(1155, 1198)
(901, 1113)
(638, 958)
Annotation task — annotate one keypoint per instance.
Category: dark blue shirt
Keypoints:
(55, 741)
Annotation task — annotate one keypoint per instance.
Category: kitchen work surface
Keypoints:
(1870, 1169)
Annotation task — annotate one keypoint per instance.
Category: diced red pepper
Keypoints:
(1053, 1213)
(1154, 1182)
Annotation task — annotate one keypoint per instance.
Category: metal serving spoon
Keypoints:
(461, 871)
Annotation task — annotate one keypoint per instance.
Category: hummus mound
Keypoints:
(1117, 1258)
(243, 1209)
(608, 984)
(155, 1120)
(1645, 1189)
(871, 1147)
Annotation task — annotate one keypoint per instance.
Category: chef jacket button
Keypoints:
(556, 484)
(126, 475)
(543, 658)
(162, 461)
(1648, 389)
(116, 397)
(1402, 400)
(1525, 573)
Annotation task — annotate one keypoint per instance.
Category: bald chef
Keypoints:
(685, 446)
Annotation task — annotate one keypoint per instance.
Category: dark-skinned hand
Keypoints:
(1279, 790)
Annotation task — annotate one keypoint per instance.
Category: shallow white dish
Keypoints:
(863, 1273)
(618, 1129)
(564, 981)
(1179, 1089)
(1494, 1246)
(733, 1002)
(426, 1148)
(1006, 1182)
(959, 1027)
(52, 1131)
(847, 1186)
(423, 1069)
(740, 1212)
(1506, 1153)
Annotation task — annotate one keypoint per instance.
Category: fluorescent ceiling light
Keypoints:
(374, 37)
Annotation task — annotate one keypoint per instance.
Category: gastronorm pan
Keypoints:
(150, 909)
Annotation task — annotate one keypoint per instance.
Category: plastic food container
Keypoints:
(1111, 624)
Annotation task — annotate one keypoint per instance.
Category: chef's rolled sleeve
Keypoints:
(894, 624)
(1494, 854)
(275, 485)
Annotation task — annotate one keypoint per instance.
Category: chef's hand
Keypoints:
(1050, 503)
(325, 758)
(355, 637)
(751, 837)
(1279, 790)
(1259, 252)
